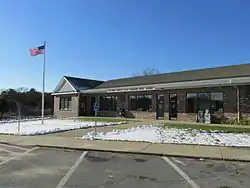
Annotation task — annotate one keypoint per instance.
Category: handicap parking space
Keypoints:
(22, 167)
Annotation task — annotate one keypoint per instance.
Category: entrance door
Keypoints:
(160, 107)
(173, 106)
(93, 100)
(83, 106)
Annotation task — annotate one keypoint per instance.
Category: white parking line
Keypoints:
(183, 174)
(5, 150)
(13, 158)
(178, 161)
(71, 171)
(16, 147)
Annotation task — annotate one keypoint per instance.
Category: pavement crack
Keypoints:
(146, 147)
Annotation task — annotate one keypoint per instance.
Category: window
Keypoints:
(202, 101)
(122, 98)
(132, 103)
(108, 103)
(248, 91)
(140, 103)
(191, 103)
(216, 102)
(65, 103)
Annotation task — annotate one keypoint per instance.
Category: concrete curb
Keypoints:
(128, 152)
(204, 145)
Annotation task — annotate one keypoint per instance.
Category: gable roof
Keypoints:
(231, 71)
(78, 84)
(82, 83)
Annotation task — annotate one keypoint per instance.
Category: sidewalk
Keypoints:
(194, 151)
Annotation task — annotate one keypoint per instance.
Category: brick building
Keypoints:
(224, 91)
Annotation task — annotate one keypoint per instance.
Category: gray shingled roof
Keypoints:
(78, 83)
(231, 71)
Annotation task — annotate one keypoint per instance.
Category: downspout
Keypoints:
(238, 102)
(79, 104)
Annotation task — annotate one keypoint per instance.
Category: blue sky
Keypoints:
(107, 39)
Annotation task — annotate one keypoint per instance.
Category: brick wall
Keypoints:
(245, 101)
(66, 113)
(230, 104)
(129, 114)
(192, 117)
(143, 115)
(107, 113)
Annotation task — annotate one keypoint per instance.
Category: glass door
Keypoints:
(173, 97)
(160, 107)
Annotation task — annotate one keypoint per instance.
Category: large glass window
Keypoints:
(140, 103)
(65, 103)
(216, 102)
(202, 101)
(191, 103)
(132, 103)
(248, 91)
(108, 103)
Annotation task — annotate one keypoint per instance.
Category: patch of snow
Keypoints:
(22, 120)
(156, 134)
(49, 126)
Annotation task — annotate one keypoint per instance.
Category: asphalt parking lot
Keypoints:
(42, 167)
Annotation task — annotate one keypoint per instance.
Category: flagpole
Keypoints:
(44, 59)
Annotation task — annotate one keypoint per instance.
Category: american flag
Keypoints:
(37, 51)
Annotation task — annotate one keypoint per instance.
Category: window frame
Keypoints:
(68, 103)
(137, 97)
(112, 106)
(198, 101)
(247, 91)
(196, 106)
(210, 109)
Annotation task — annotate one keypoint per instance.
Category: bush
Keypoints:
(221, 119)
(244, 121)
(230, 121)
(218, 119)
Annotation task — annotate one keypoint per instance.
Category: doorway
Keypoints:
(173, 97)
(83, 106)
(160, 107)
(93, 100)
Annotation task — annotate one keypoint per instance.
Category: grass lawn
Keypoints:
(228, 129)
(104, 119)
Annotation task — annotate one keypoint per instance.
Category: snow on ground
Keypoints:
(155, 134)
(49, 126)
(22, 120)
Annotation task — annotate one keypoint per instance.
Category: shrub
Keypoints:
(244, 121)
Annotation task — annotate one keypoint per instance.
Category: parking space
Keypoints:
(43, 167)
(124, 170)
(7, 152)
(211, 173)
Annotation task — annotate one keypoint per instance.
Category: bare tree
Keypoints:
(147, 72)
(22, 89)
